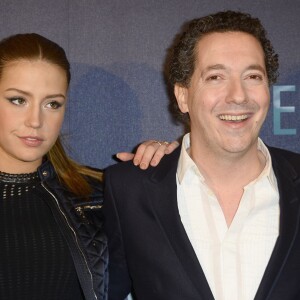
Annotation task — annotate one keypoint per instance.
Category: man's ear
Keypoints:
(181, 94)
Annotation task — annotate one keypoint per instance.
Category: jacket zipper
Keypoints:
(78, 246)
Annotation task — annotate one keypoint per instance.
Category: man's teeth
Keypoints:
(233, 118)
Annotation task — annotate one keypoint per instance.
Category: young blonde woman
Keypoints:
(51, 231)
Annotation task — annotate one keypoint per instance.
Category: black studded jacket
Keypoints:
(81, 222)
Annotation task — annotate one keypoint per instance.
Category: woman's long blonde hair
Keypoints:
(32, 46)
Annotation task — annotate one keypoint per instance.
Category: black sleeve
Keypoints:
(119, 278)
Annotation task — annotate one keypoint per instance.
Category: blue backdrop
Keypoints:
(117, 50)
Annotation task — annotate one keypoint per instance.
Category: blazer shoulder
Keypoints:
(289, 155)
(285, 157)
(128, 169)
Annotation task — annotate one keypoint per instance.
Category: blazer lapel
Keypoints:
(289, 192)
(162, 191)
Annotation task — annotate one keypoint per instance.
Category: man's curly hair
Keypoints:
(182, 60)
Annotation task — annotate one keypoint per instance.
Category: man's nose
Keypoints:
(236, 92)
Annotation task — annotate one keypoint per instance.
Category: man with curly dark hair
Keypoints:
(219, 217)
(182, 61)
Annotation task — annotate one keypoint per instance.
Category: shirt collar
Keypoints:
(268, 170)
(185, 162)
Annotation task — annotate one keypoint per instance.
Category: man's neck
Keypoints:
(225, 166)
(228, 174)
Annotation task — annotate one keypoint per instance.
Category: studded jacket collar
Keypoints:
(81, 223)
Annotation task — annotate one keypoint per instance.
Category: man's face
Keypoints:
(228, 96)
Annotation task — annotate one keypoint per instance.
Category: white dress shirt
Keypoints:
(233, 259)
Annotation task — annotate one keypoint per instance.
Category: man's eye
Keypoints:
(213, 77)
(255, 77)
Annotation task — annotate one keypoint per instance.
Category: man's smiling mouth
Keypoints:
(234, 118)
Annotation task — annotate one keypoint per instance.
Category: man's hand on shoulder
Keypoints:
(149, 153)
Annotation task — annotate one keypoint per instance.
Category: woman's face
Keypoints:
(32, 106)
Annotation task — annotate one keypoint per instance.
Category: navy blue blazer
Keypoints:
(150, 253)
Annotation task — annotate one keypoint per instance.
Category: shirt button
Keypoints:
(45, 173)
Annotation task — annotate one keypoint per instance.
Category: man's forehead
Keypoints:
(216, 35)
(257, 67)
(228, 44)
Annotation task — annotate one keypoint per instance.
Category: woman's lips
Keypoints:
(31, 141)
